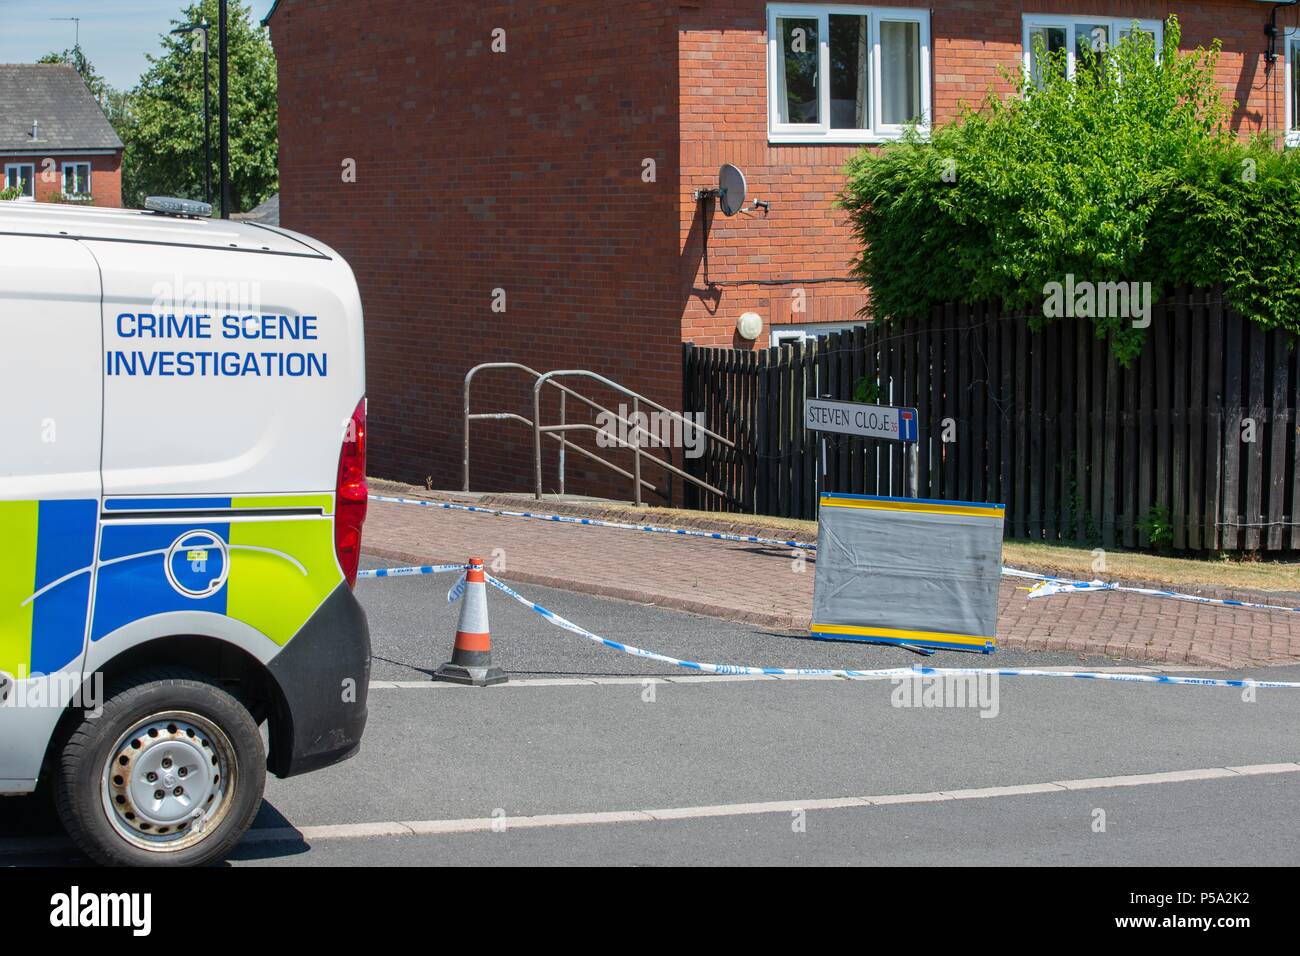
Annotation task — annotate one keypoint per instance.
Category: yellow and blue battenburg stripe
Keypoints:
(240, 557)
(919, 572)
(985, 644)
(280, 571)
(46, 548)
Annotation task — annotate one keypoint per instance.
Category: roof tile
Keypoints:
(54, 95)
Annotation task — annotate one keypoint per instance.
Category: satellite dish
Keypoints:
(731, 189)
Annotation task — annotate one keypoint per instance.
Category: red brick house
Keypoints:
(547, 155)
(54, 138)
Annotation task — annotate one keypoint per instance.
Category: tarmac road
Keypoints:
(588, 756)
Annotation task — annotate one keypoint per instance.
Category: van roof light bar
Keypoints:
(187, 208)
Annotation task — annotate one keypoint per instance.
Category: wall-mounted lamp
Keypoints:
(749, 326)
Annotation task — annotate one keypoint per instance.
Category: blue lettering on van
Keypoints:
(148, 325)
(264, 327)
(169, 364)
(216, 363)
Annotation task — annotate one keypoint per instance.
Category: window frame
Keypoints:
(790, 332)
(90, 173)
(1291, 61)
(31, 179)
(1029, 21)
(822, 132)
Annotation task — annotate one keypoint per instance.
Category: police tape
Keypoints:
(1050, 584)
(852, 674)
(890, 673)
(597, 522)
(411, 572)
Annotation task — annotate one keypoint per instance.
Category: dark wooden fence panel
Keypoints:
(1191, 446)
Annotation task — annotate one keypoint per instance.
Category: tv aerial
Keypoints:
(731, 192)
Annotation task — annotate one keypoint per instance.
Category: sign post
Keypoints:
(887, 422)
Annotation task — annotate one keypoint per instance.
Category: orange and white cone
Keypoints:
(471, 658)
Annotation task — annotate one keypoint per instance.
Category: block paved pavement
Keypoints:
(768, 587)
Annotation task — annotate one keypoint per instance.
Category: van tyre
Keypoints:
(170, 774)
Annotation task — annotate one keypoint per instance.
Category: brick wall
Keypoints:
(105, 176)
(477, 171)
(522, 171)
(724, 119)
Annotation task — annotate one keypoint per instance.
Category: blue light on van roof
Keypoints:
(171, 206)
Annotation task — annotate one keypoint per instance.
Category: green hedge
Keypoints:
(1129, 171)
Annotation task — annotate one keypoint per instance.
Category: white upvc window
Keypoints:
(76, 179)
(846, 74)
(1293, 88)
(1079, 32)
(22, 175)
(789, 334)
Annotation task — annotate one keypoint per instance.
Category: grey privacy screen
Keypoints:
(908, 571)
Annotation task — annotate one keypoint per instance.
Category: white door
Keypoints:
(50, 422)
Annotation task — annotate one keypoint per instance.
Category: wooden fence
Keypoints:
(1192, 446)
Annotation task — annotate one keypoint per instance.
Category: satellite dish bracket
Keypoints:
(731, 193)
(731, 181)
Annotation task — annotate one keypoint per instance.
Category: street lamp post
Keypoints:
(202, 29)
(223, 64)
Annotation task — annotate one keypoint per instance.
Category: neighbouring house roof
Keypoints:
(268, 213)
(53, 96)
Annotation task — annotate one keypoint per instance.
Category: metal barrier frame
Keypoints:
(559, 432)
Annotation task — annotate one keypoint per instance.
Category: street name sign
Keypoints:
(857, 418)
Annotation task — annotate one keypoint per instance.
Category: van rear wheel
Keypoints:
(170, 774)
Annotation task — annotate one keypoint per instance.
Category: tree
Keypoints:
(119, 107)
(74, 58)
(1128, 171)
(162, 118)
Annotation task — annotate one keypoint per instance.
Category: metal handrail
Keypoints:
(558, 432)
(564, 443)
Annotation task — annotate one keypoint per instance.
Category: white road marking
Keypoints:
(361, 831)
(506, 823)
(1263, 768)
(722, 678)
(1142, 779)
(983, 793)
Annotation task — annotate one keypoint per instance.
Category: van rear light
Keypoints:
(351, 495)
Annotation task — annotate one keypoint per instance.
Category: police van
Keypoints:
(182, 493)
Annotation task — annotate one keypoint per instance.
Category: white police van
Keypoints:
(182, 493)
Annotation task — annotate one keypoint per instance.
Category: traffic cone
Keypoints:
(471, 658)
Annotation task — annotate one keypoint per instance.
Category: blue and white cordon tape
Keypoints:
(411, 572)
(878, 674)
(458, 589)
(1049, 584)
(596, 522)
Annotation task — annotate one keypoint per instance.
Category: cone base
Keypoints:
(471, 676)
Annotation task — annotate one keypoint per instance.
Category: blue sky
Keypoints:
(115, 34)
